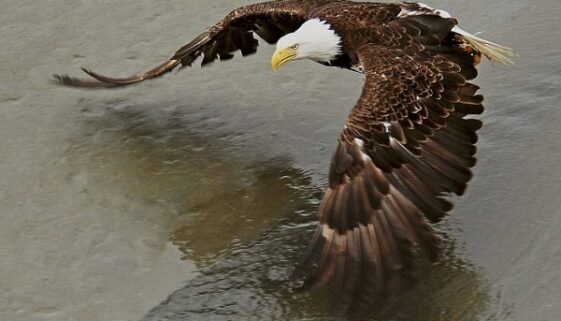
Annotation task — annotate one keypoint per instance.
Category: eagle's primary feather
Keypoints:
(406, 145)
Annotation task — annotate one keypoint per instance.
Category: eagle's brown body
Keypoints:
(406, 144)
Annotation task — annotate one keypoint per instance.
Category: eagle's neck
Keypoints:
(316, 40)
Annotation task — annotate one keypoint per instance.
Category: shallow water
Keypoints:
(192, 197)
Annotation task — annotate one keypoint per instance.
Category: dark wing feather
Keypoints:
(406, 145)
(269, 20)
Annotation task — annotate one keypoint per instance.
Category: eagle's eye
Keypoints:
(294, 47)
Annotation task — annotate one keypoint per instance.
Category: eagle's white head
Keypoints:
(313, 40)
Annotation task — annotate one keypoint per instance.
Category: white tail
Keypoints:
(491, 50)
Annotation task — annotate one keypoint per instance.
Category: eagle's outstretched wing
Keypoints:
(406, 145)
(269, 20)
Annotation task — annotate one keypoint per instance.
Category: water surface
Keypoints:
(192, 197)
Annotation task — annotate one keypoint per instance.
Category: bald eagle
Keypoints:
(407, 144)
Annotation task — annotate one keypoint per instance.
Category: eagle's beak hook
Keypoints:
(281, 57)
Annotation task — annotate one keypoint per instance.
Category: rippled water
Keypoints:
(192, 197)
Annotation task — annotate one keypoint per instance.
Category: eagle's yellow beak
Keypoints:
(282, 56)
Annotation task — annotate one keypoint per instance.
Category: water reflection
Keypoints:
(252, 284)
(237, 217)
(245, 224)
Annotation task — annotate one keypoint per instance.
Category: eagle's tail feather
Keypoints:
(491, 50)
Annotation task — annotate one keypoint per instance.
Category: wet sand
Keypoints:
(202, 185)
